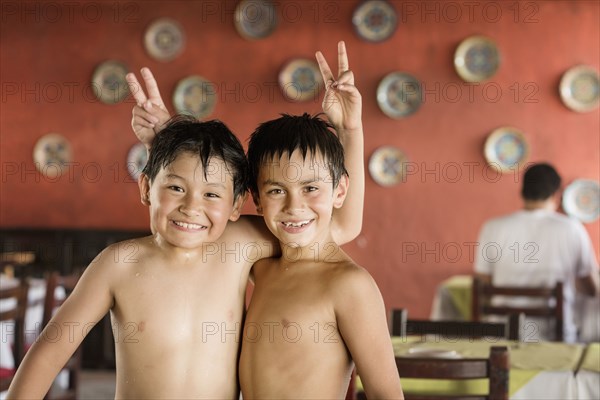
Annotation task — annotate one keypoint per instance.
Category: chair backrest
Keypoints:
(551, 307)
(495, 368)
(402, 326)
(73, 366)
(13, 311)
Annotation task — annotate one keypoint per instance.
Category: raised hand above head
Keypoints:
(342, 102)
(150, 113)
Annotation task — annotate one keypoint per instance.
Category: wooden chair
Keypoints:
(13, 316)
(402, 326)
(552, 306)
(73, 366)
(495, 368)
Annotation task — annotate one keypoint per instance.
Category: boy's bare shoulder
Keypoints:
(251, 229)
(125, 253)
(350, 279)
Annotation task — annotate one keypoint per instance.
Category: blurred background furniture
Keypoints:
(13, 307)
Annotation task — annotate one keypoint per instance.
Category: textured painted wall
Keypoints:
(416, 233)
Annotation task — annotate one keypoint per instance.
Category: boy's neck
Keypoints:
(320, 251)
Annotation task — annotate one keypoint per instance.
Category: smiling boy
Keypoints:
(313, 310)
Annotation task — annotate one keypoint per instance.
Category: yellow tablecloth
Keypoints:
(526, 361)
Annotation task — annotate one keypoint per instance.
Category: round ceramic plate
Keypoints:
(476, 59)
(255, 19)
(164, 39)
(109, 82)
(51, 154)
(386, 166)
(505, 148)
(375, 20)
(195, 96)
(136, 160)
(399, 95)
(580, 88)
(301, 80)
(424, 352)
(581, 199)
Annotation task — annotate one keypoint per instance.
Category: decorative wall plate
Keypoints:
(581, 199)
(580, 88)
(108, 82)
(255, 19)
(506, 148)
(51, 154)
(399, 95)
(195, 96)
(375, 20)
(164, 39)
(476, 59)
(136, 160)
(301, 80)
(386, 166)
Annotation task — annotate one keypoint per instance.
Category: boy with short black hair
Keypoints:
(313, 310)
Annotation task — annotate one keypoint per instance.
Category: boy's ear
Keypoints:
(341, 191)
(144, 185)
(256, 199)
(237, 206)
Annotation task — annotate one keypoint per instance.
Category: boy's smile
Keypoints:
(188, 208)
(297, 198)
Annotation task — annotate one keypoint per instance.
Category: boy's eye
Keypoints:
(311, 189)
(275, 191)
(212, 195)
(176, 188)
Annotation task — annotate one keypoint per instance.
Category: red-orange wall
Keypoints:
(416, 233)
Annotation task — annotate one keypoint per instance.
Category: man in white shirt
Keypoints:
(537, 246)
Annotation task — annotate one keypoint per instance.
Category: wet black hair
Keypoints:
(284, 135)
(540, 182)
(208, 139)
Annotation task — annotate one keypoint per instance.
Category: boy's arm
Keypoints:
(362, 324)
(150, 112)
(86, 305)
(342, 104)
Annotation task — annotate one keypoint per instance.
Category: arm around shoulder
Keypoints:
(363, 325)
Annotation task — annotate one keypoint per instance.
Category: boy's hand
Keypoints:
(342, 102)
(150, 113)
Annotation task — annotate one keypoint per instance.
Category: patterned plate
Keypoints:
(164, 39)
(580, 88)
(136, 160)
(476, 59)
(399, 95)
(375, 20)
(581, 199)
(255, 19)
(51, 154)
(505, 148)
(109, 82)
(386, 166)
(301, 80)
(196, 96)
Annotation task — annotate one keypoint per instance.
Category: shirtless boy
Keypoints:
(177, 304)
(313, 310)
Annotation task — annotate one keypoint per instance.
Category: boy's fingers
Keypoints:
(346, 78)
(135, 88)
(325, 70)
(142, 113)
(152, 87)
(342, 58)
(138, 122)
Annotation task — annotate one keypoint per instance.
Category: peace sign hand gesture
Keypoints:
(150, 113)
(342, 102)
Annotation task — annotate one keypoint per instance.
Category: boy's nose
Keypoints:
(293, 203)
(191, 206)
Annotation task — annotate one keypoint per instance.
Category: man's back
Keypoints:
(536, 248)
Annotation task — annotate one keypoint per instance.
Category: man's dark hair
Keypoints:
(284, 135)
(540, 182)
(185, 134)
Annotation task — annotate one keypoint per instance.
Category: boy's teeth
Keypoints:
(187, 226)
(296, 224)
